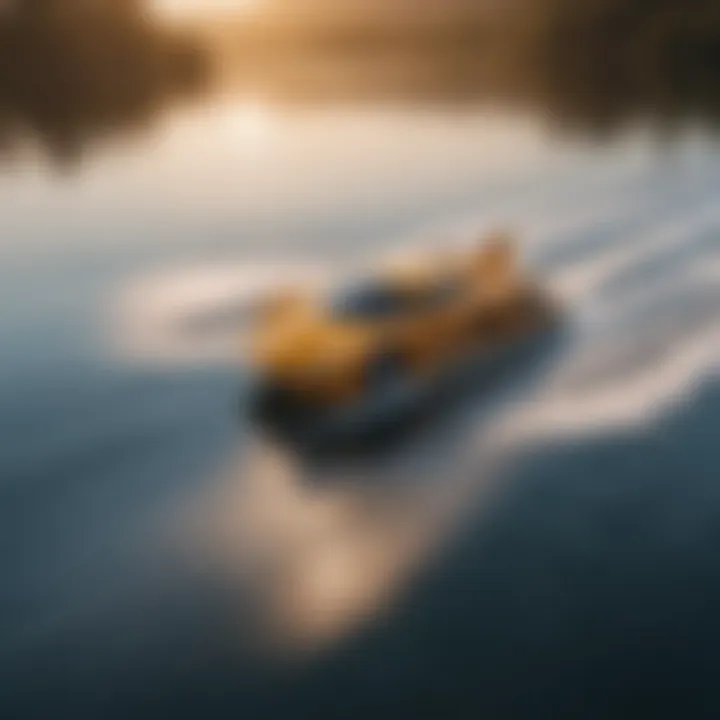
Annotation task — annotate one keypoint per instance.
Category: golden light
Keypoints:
(198, 8)
(249, 122)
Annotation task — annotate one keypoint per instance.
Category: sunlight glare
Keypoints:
(249, 122)
(193, 8)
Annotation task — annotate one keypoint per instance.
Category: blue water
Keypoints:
(550, 551)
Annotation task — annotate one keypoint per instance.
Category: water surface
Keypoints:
(548, 549)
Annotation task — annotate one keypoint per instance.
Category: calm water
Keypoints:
(551, 549)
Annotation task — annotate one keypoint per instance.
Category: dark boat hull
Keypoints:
(381, 415)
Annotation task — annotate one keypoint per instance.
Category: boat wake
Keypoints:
(321, 551)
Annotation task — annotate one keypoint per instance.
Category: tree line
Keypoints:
(71, 71)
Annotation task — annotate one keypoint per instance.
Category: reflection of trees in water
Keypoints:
(594, 64)
(612, 60)
(73, 70)
(432, 64)
(70, 72)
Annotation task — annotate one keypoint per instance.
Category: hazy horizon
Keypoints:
(322, 11)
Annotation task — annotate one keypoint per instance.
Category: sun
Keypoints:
(195, 8)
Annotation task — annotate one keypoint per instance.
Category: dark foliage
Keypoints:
(71, 73)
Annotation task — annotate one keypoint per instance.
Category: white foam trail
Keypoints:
(152, 314)
(707, 271)
(612, 397)
(576, 282)
(632, 401)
